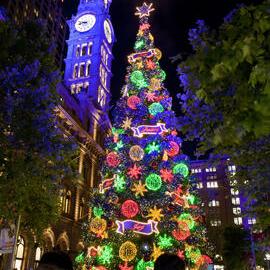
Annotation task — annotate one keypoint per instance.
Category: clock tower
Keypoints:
(89, 56)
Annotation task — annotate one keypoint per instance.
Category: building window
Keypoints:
(75, 71)
(233, 182)
(101, 96)
(88, 65)
(251, 221)
(215, 222)
(232, 168)
(236, 201)
(20, 253)
(37, 257)
(66, 201)
(78, 51)
(211, 169)
(211, 177)
(199, 185)
(213, 203)
(73, 89)
(212, 184)
(197, 170)
(238, 221)
(234, 191)
(81, 208)
(84, 50)
(90, 46)
(82, 69)
(237, 210)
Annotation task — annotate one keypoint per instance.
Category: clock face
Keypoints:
(108, 31)
(85, 22)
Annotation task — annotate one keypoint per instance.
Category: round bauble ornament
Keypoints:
(181, 168)
(129, 209)
(98, 225)
(155, 108)
(158, 54)
(182, 232)
(127, 251)
(162, 75)
(153, 182)
(136, 153)
(113, 159)
(173, 149)
(133, 102)
(188, 219)
(138, 79)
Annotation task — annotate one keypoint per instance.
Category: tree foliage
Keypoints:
(34, 155)
(226, 97)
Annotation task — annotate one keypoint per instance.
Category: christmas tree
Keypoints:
(144, 205)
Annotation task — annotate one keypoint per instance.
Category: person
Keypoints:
(169, 262)
(55, 260)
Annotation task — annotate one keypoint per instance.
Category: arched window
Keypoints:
(75, 71)
(84, 50)
(37, 257)
(88, 68)
(78, 51)
(81, 208)
(82, 69)
(90, 45)
(20, 253)
(67, 202)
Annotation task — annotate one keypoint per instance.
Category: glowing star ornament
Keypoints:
(140, 44)
(135, 172)
(136, 153)
(150, 64)
(144, 10)
(150, 96)
(127, 123)
(119, 145)
(155, 84)
(166, 175)
(156, 252)
(106, 255)
(139, 189)
(155, 213)
(152, 147)
(98, 212)
(119, 183)
(139, 65)
(113, 159)
(127, 251)
(180, 254)
(129, 209)
(133, 102)
(153, 182)
(165, 241)
(144, 26)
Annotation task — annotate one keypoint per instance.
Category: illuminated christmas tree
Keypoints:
(144, 205)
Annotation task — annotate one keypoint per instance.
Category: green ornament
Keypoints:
(116, 131)
(155, 108)
(119, 145)
(153, 182)
(138, 79)
(181, 168)
(193, 254)
(162, 75)
(165, 241)
(98, 211)
(152, 147)
(106, 255)
(191, 199)
(187, 218)
(142, 265)
(80, 258)
(139, 44)
(119, 183)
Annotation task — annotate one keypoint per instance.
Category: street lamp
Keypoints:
(267, 259)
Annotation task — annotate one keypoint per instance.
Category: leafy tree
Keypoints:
(226, 97)
(236, 248)
(34, 155)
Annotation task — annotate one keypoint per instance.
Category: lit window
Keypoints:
(197, 170)
(234, 191)
(84, 50)
(101, 96)
(252, 221)
(20, 253)
(81, 208)
(211, 177)
(73, 89)
(66, 201)
(212, 184)
(75, 71)
(237, 210)
(90, 45)
(199, 185)
(37, 256)
(215, 222)
(211, 169)
(231, 168)
(236, 201)
(238, 221)
(213, 203)
(233, 182)
(78, 51)
(82, 70)
(88, 65)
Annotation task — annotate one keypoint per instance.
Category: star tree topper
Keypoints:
(144, 10)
